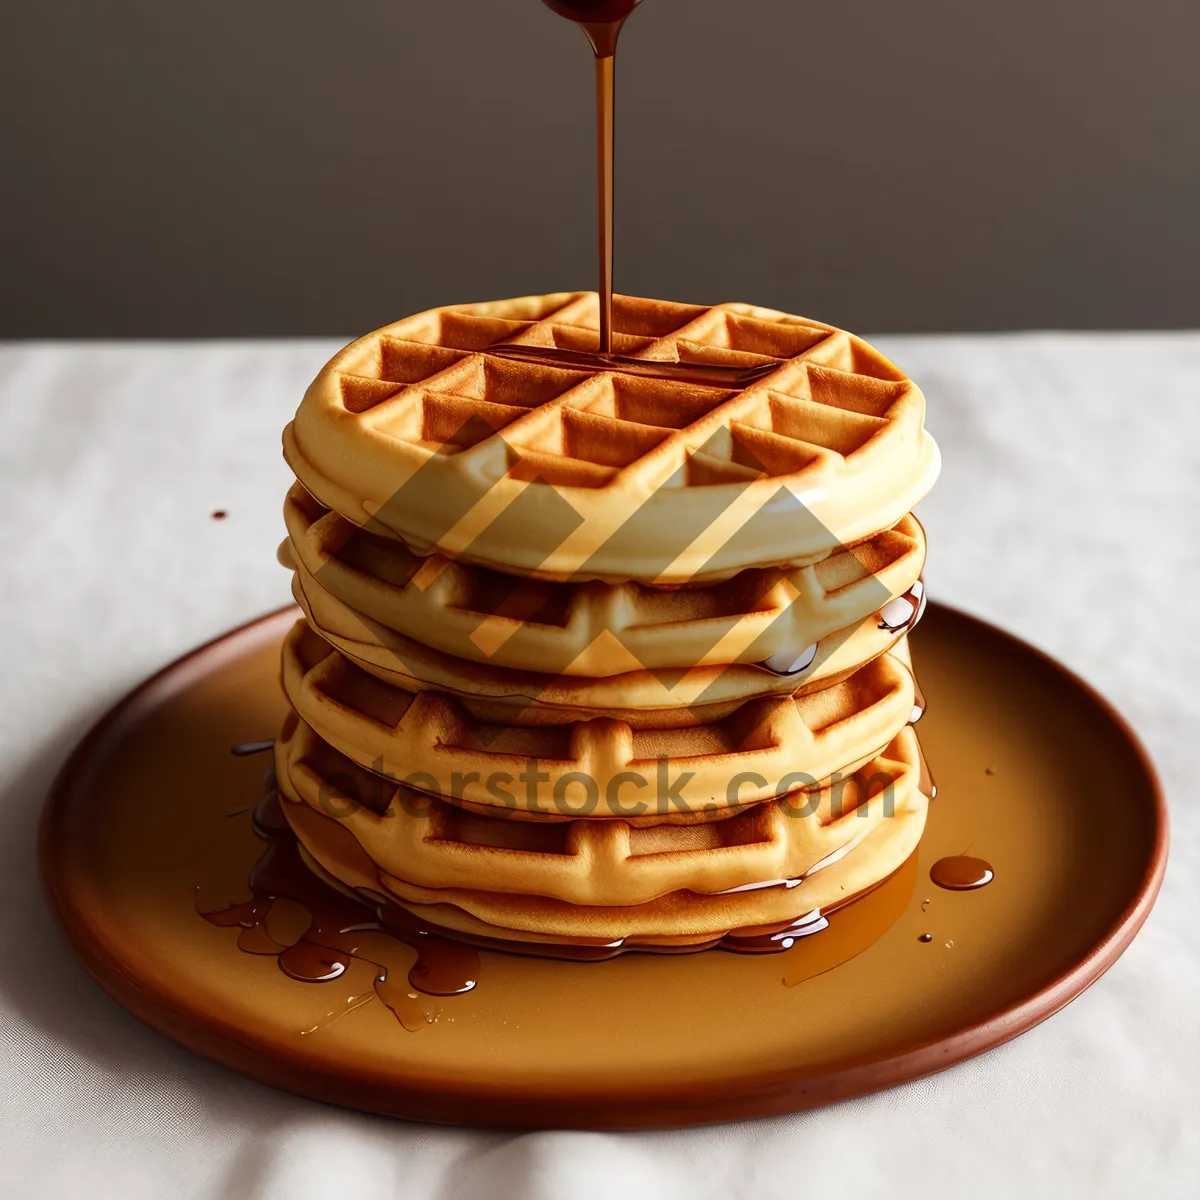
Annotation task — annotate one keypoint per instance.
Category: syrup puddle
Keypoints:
(317, 932)
(334, 930)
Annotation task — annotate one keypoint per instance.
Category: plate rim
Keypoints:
(416, 1096)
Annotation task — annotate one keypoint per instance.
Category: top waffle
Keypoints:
(565, 474)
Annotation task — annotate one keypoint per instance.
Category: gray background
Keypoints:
(268, 167)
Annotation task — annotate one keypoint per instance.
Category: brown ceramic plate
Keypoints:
(148, 822)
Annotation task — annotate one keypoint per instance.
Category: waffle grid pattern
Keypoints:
(431, 843)
(424, 383)
(484, 616)
(427, 734)
(419, 432)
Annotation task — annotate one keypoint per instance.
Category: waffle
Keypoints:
(643, 698)
(430, 843)
(601, 863)
(453, 747)
(417, 432)
(360, 587)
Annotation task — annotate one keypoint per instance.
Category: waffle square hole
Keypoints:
(462, 332)
(501, 382)
(551, 742)
(652, 401)
(585, 339)
(864, 560)
(861, 691)
(360, 394)
(698, 352)
(714, 464)
(651, 744)
(309, 649)
(452, 423)
(743, 453)
(351, 781)
(593, 439)
(380, 557)
(532, 837)
(652, 318)
(774, 339)
(747, 829)
(411, 362)
(600, 439)
(633, 316)
(843, 353)
(526, 600)
(674, 839)
(837, 429)
(528, 308)
(854, 393)
(365, 694)
(723, 604)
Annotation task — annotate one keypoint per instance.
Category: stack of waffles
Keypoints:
(606, 653)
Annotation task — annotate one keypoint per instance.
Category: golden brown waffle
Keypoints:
(426, 842)
(451, 746)
(576, 474)
(643, 698)
(678, 918)
(360, 587)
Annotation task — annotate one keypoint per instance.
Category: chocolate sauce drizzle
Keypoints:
(714, 375)
(602, 21)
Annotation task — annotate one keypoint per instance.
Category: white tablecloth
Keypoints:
(1072, 467)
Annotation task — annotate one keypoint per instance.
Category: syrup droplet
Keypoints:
(243, 749)
(925, 780)
(925, 937)
(961, 873)
(341, 928)
(787, 663)
(918, 704)
(901, 613)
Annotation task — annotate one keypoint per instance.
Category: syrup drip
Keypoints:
(602, 20)
(925, 781)
(918, 703)
(781, 939)
(901, 614)
(786, 663)
(961, 873)
(244, 749)
(341, 929)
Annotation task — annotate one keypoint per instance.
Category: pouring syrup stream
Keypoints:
(602, 20)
